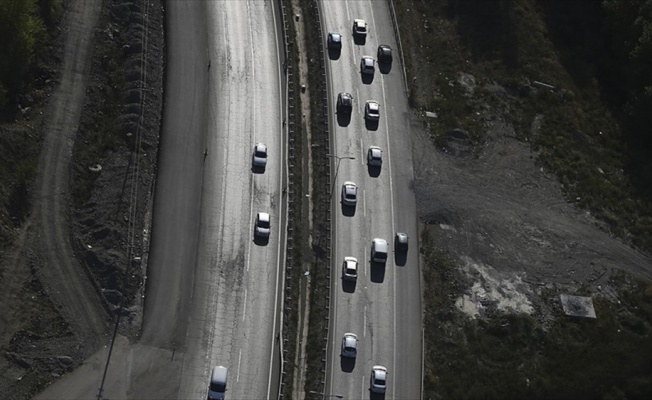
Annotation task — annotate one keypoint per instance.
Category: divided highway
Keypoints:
(383, 307)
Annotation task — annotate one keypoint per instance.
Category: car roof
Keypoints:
(380, 371)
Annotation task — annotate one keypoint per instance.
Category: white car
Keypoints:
(378, 383)
(349, 345)
(372, 110)
(349, 194)
(359, 28)
(260, 155)
(350, 268)
(263, 225)
(367, 65)
(374, 156)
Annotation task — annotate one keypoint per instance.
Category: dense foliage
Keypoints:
(24, 26)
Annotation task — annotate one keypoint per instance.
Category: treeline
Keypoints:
(611, 41)
(608, 41)
(25, 27)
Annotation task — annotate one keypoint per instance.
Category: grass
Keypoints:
(514, 356)
(508, 47)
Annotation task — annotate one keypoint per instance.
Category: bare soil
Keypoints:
(77, 259)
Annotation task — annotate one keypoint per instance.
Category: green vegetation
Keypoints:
(28, 31)
(25, 27)
(517, 357)
(594, 125)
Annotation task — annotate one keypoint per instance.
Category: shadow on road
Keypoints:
(347, 364)
(261, 241)
(367, 79)
(374, 172)
(377, 272)
(349, 286)
(400, 258)
(334, 54)
(257, 170)
(348, 211)
(359, 40)
(371, 125)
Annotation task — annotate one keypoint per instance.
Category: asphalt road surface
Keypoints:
(383, 308)
(212, 292)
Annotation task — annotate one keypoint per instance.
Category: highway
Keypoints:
(383, 308)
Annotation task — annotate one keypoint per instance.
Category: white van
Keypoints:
(217, 388)
(379, 250)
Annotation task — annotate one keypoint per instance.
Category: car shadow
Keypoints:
(343, 119)
(334, 54)
(359, 40)
(377, 274)
(384, 68)
(348, 211)
(374, 172)
(367, 79)
(257, 169)
(349, 286)
(261, 241)
(347, 363)
(400, 258)
(371, 125)
(376, 396)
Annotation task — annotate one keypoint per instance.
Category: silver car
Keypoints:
(263, 225)
(378, 382)
(374, 156)
(260, 155)
(350, 268)
(349, 345)
(372, 110)
(367, 65)
(349, 194)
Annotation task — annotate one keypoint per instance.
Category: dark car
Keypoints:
(384, 54)
(344, 103)
(334, 41)
(401, 242)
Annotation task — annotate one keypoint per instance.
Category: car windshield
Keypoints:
(263, 224)
(261, 153)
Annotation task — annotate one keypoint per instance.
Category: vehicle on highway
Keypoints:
(360, 28)
(378, 382)
(374, 156)
(260, 155)
(350, 268)
(372, 110)
(349, 194)
(379, 250)
(349, 345)
(263, 225)
(367, 65)
(334, 41)
(344, 103)
(384, 54)
(401, 242)
(217, 387)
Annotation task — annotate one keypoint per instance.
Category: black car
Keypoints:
(334, 41)
(344, 103)
(384, 54)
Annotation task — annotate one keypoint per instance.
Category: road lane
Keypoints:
(384, 308)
